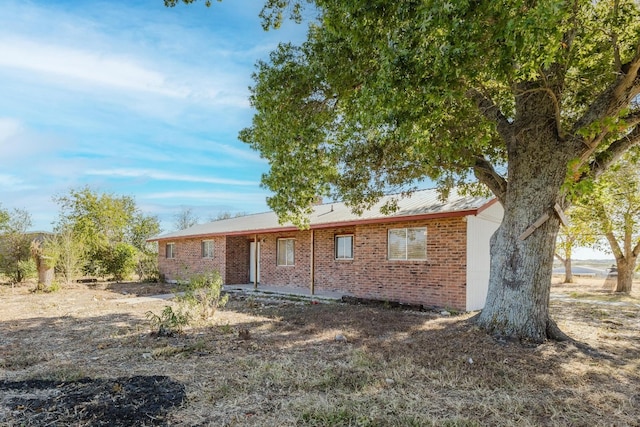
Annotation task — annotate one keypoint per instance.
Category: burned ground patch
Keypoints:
(138, 400)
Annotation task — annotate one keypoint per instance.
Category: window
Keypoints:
(207, 249)
(407, 244)
(171, 250)
(344, 247)
(285, 251)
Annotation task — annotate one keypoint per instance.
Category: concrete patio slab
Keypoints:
(285, 290)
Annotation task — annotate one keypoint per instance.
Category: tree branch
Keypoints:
(491, 112)
(632, 118)
(487, 175)
(616, 97)
(636, 250)
(615, 247)
(562, 260)
(614, 152)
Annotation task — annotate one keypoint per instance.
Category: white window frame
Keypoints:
(408, 231)
(206, 248)
(337, 246)
(290, 243)
(170, 253)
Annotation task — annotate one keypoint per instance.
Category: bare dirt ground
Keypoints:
(85, 356)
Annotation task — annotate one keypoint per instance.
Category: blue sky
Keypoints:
(131, 98)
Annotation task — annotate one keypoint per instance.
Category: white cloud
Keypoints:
(93, 67)
(164, 176)
(236, 152)
(207, 195)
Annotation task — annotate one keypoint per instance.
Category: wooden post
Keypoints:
(312, 264)
(255, 262)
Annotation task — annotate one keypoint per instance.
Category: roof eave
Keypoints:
(350, 223)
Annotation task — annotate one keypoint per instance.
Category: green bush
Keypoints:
(201, 297)
(121, 261)
(147, 266)
(22, 270)
(203, 294)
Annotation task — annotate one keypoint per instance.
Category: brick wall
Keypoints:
(188, 258)
(297, 275)
(237, 260)
(438, 281)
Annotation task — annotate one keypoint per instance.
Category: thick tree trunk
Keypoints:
(626, 269)
(520, 274)
(520, 279)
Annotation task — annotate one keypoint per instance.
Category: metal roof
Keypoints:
(421, 204)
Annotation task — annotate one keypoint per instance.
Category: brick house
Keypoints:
(428, 252)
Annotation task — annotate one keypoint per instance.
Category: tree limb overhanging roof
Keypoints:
(421, 204)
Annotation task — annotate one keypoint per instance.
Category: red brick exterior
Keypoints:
(438, 281)
(297, 275)
(237, 260)
(188, 258)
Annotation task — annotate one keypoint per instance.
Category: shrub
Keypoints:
(121, 262)
(203, 294)
(169, 321)
(147, 266)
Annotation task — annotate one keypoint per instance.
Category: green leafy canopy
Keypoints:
(384, 94)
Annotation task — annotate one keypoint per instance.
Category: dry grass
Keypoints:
(274, 362)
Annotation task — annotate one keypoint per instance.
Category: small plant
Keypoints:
(202, 297)
(203, 294)
(226, 328)
(55, 286)
(168, 322)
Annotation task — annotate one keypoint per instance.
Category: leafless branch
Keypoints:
(615, 247)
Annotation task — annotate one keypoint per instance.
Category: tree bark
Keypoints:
(45, 273)
(520, 273)
(624, 281)
(568, 274)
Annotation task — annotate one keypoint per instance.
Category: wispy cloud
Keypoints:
(94, 67)
(207, 195)
(236, 152)
(131, 98)
(13, 183)
(164, 176)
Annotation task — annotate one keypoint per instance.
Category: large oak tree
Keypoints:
(530, 98)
